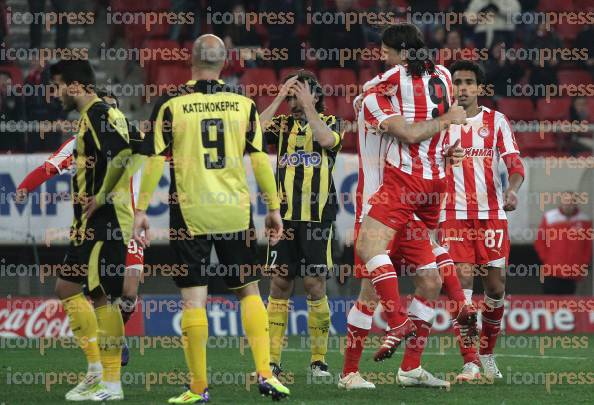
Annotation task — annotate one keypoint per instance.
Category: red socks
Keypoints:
(455, 294)
(385, 283)
(358, 325)
(421, 312)
(491, 315)
(449, 277)
(468, 353)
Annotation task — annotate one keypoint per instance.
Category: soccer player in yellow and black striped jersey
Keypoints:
(100, 231)
(207, 128)
(307, 142)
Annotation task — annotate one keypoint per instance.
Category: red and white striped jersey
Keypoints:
(474, 187)
(371, 149)
(63, 159)
(419, 98)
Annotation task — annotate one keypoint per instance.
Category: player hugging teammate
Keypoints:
(403, 117)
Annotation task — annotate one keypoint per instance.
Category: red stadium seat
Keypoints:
(443, 4)
(583, 5)
(517, 108)
(556, 109)
(263, 102)
(574, 76)
(175, 74)
(335, 81)
(15, 72)
(159, 57)
(286, 71)
(531, 143)
(568, 31)
(259, 76)
(330, 105)
(344, 108)
(365, 75)
(555, 5)
(332, 76)
(349, 142)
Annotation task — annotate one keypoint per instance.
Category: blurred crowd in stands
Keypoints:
(308, 46)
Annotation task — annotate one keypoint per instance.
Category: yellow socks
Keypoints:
(194, 324)
(318, 323)
(278, 316)
(254, 319)
(111, 335)
(84, 326)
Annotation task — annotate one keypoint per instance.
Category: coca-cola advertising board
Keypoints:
(45, 318)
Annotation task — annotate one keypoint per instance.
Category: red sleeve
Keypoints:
(514, 164)
(38, 176)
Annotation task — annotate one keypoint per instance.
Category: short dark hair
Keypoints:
(305, 76)
(471, 66)
(72, 71)
(405, 36)
(105, 92)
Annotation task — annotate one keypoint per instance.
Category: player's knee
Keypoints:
(495, 291)
(429, 284)
(362, 250)
(315, 287)
(280, 288)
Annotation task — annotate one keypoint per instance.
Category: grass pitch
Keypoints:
(563, 374)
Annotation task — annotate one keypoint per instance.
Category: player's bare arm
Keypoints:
(152, 171)
(321, 132)
(415, 132)
(510, 195)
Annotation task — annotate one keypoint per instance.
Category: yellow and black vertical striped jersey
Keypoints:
(304, 169)
(206, 128)
(102, 135)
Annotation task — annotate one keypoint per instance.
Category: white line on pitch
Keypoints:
(523, 356)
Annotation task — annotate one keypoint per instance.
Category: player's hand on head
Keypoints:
(141, 228)
(510, 200)
(286, 87)
(21, 196)
(303, 94)
(274, 226)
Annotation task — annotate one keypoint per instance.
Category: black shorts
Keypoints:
(237, 253)
(304, 250)
(99, 266)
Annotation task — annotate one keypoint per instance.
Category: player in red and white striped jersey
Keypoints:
(473, 223)
(411, 104)
(62, 161)
(412, 247)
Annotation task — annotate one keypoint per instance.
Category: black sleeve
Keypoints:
(272, 133)
(157, 140)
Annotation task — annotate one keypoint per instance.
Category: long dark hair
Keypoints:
(408, 37)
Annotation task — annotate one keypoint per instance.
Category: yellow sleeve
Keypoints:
(265, 179)
(337, 127)
(151, 174)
